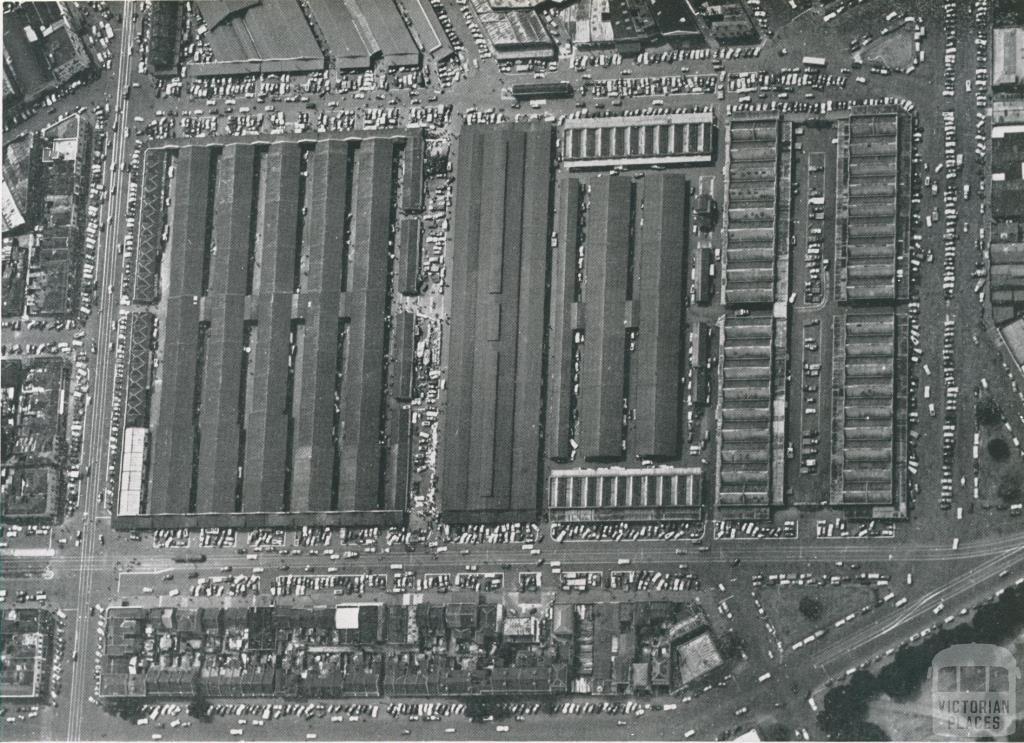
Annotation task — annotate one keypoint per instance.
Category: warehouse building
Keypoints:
(629, 25)
(42, 50)
(638, 141)
(749, 217)
(872, 170)
(1006, 271)
(1007, 57)
(489, 467)
(257, 36)
(133, 471)
(1008, 173)
(382, 27)
(617, 317)
(143, 285)
(428, 30)
(26, 643)
(516, 34)
(349, 49)
(615, 494)
(729, 23)
(745, 439)
(359, 32)
(1007, 275)
(870, 389)
(255, 351)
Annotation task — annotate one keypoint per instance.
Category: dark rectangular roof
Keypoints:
(606, 270)
(276, 260)
(25, 65)
(490, 452)
(267, 423)
(428, 30)
(502, 181)
(662, 259)
(560, 331)
(220, 412)
(531, 327)
(219, 419)
(315, 451)
(172, 443)
(189, 220)
(266, 426)
(348, 47)
(461, 339)
(361, 451)
(232, 219)
(387, 28)
(275, 31)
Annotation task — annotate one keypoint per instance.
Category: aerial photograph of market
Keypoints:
(512, 370)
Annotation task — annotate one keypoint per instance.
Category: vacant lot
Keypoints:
(782, 605)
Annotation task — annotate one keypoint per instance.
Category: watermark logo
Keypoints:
(974, 691)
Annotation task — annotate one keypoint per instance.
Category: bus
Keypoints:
(818, 62)
(973, 690)
(190, 557)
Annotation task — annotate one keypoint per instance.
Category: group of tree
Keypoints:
(987, 411)
(844, 713)
(1011, 485)
(998, 449)
(811, 607)
(731, 646)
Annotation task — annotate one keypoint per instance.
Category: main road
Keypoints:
(96, 450)
(651, 552)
